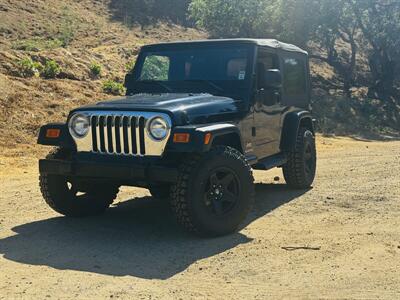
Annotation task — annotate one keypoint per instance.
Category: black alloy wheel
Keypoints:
(222, 191)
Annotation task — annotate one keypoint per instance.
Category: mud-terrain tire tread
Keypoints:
(97, 207)
(179, 191)
(293, 169)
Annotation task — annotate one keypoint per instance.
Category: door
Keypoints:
(267, 110)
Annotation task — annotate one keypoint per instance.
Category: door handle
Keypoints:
(277, 96)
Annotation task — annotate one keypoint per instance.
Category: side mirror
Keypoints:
(271, 79)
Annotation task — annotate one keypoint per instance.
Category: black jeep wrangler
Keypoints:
(196, 118)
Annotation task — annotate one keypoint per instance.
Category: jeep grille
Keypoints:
(122, 133)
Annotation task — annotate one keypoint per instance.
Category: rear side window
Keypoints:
(294, 79)
(266, 61)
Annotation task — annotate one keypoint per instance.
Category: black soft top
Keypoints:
(270, 43)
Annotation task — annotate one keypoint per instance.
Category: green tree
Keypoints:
(341, 33)
(332, 27)
(379, 23)
(230, 18)
(291, 20)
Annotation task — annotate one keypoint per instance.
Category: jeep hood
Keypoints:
(183, 108)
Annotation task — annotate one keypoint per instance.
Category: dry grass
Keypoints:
(26, 104)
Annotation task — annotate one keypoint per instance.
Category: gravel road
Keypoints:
(340, 239)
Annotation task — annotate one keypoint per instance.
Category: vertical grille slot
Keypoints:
(94, 124)
(133, 136)
(110, 142)
(142, 124)
(117, 125)
(101, 131)
(125, 138)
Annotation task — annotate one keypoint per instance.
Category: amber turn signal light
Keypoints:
(207, 138)
(53, 133)
(181, 137)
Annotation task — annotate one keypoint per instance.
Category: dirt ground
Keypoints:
(340, 239)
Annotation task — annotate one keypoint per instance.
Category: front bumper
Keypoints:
(103, 170)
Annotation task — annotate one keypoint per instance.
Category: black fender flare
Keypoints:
(64, 139)
(198, 134)
(290, 128)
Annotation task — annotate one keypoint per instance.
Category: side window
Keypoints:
(236, 69)
(294, 78)
(156, 68)
(267, 61)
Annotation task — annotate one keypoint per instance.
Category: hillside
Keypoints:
(77, 34)
(37, 29)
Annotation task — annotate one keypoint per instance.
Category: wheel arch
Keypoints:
(231, 139)
(291, 124)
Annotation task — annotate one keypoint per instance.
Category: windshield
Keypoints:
(216, 70)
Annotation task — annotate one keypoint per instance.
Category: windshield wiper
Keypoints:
(209, 82)
(167, 88)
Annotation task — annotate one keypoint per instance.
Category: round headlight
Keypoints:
(79, 126)
(158, 128)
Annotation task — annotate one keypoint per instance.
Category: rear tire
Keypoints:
(61, 193)
(214, 193)
(299, 171)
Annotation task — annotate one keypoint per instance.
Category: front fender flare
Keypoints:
(197, 136)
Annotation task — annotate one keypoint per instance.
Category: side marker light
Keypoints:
(53, 133)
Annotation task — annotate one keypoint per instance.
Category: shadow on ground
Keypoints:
(138, 238)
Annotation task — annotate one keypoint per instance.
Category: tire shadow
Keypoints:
(137, 237)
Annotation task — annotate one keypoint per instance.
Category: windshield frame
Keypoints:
(246, 84)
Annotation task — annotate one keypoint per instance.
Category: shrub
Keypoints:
(113, 87)
(28, 68)
(51, 69)
(95, 69)
(66, 34)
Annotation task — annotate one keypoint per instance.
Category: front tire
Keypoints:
(63, 195)
(214, 193)
(299, 171)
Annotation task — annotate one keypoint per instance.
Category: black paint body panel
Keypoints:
(184, 109)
